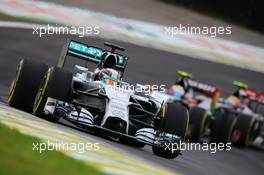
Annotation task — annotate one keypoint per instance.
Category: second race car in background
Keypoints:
(219, 120)
(243, 104)
(201, 98)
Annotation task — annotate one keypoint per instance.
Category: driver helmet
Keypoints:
(233, 101)
(109, 61)
(108, 73)
(176, 91)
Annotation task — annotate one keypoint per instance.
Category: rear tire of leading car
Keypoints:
(175, 122)
(25, 85)
(197, 122)
(223, 126)
(57, 84)
(244, 128)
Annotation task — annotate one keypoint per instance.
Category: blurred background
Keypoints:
(244, 13)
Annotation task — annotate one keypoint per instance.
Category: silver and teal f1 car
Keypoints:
(100, 101)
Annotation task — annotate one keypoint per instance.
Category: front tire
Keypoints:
(197, 123)
(25, 86)
(57, 84)
(243, 134)
(175, 122)
(223, 126)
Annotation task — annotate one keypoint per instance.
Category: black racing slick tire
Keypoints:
(243, 133)
(223, 126)
(176, 120)
(24, 87)
(197, 123)
(57, 84)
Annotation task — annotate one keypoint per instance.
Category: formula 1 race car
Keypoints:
(205, 120)
(257, 105)
(244, 104)
(237, 119)
(100, 101)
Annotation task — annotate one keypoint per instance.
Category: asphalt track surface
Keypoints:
(145, 66)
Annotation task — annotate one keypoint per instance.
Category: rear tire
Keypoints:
(223, 126)
(25, 85)
(244, 128)
(176, 121)
(197, 121)
(57, 84)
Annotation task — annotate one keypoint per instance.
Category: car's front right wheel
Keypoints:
(244, 130)
(25, 85)
(223, 126)
(197, 124)
(175, 121)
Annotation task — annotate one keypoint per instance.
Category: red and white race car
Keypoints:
(243, 105)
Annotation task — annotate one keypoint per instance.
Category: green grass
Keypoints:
(17, 157)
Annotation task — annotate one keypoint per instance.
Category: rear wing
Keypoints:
(260, 98)
(250, 93)
(208, 90)
(88, 53)
(256, 103)
(254, 96)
